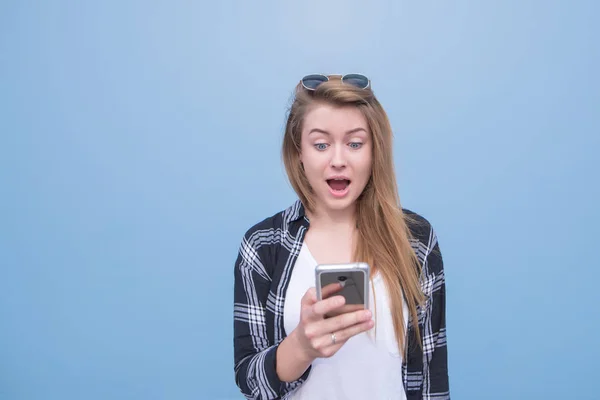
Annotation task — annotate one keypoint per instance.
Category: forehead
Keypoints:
(334, 119)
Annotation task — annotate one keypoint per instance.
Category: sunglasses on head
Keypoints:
(311, 82)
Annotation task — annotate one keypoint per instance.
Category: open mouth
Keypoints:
(338, 185)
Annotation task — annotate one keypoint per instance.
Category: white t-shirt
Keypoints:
(365, 367)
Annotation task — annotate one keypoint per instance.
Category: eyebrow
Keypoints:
(317, 130)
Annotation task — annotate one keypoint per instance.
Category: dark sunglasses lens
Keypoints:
(360, 81)
(312, 81)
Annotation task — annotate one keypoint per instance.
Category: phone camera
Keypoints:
(342, 278)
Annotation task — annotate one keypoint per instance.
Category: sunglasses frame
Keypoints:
(342, 78)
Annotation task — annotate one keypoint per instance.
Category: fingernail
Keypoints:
(367, 314)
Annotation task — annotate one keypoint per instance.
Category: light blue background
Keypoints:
(139, 140)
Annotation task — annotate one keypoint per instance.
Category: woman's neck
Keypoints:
(333, 220)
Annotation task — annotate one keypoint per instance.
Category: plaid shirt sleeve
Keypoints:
(435, 353)
(254, 350)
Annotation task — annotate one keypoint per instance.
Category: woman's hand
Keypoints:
(317, 336)
(320, 336)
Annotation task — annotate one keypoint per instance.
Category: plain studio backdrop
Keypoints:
(139, 141)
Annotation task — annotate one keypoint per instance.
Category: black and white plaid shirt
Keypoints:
(263, 270)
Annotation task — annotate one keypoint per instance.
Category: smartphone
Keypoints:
(353, 279)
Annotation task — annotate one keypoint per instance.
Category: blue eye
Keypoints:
(321, 146)
(355, 145)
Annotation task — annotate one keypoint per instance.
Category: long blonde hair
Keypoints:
(383, 233)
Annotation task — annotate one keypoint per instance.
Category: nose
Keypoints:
(338, 158)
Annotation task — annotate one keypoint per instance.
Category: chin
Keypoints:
(339, 204)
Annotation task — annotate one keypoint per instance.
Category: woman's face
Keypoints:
(336, 151)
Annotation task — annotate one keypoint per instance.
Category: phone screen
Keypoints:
(353, 288)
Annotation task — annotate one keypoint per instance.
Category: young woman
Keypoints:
(337, 151)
